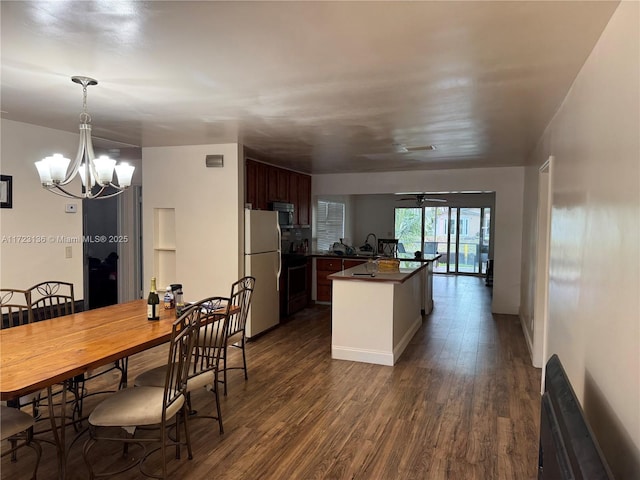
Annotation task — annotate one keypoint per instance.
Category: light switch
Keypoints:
(68, 251)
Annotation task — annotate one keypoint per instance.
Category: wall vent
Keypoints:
(214, 161)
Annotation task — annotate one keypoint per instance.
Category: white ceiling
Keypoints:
(318, 87)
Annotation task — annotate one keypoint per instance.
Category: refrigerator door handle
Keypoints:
(279, 256)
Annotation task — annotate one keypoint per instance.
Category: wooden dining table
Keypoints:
(39, 355)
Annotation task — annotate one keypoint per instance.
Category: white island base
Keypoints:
(375, 318)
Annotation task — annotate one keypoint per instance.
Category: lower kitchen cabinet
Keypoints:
(348, 263)
(324, 268)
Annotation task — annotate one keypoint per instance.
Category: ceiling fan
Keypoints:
(420, 199)
(402, 148)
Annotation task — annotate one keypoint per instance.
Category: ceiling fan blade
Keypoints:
(420, 148)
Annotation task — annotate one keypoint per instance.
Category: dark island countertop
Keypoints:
(426, 259)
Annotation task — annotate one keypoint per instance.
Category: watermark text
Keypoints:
(66, 239)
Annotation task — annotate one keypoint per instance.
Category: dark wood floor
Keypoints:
(462, 403)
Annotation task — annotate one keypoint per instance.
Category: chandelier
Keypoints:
(96, 174)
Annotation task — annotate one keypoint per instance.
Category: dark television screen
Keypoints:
(568, 449)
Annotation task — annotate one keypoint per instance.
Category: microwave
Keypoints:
(285, 213)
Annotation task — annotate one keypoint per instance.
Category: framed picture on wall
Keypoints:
(6, 191)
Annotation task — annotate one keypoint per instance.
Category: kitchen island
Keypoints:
(375, 316)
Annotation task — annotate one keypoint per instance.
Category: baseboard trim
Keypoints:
(361, 355)
(404, 341)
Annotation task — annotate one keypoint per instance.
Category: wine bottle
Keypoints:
(153, 302)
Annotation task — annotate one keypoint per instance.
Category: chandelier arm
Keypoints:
(63, 193)
(99, 196)
(111, 195)
(88, 146)
(75, 166)
(67, 194)
(93, 196)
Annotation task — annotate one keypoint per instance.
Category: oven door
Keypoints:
(296, 288)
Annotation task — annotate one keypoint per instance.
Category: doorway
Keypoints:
(112, 230)
(540, 316)
(100, 231)
(461, 235)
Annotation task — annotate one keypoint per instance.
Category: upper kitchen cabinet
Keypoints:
(304, 199)
(266, 183)
(256, 185)
(293, 196)
(277, 184)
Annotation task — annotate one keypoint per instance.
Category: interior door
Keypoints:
(100, 248)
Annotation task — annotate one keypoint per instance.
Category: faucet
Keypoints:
(375, 242)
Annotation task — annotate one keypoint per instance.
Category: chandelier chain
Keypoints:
(84, 116)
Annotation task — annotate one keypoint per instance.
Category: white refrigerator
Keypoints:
(262, 260)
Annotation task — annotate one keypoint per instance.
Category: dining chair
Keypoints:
(132, 408)
(241, 294)
(16, 426)
(15, 311)
(14, 306)
(213, 317)
(53, 299)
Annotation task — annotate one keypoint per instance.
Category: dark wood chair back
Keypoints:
(15, 306)
(51, 299)
(241, 293)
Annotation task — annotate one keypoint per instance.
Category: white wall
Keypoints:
(37, 212)
(508, 183)
(594, 291)
(209, 215)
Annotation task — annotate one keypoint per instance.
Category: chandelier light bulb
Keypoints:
(104, 169)
(44, 172)
(82, 172)
(58, 167)
(124, 172)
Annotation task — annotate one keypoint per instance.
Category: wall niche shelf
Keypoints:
(164, 246)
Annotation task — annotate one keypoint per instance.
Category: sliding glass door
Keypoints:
(460, 234)
(436, 238)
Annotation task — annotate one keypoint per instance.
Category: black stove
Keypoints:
(294, 289)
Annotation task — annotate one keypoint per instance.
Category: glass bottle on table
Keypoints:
(179, 300)
(169, 301)
(153, 302)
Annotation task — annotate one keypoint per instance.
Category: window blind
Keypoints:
(330, 223)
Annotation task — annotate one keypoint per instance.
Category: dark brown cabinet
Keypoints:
(277, 184)
(324, 268)
(266, 183)
(282, 186)
(293, 196)
(256, 185)
(351, 263)
(304, 199)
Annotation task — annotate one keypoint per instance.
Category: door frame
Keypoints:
(541, 296)
(130, 251)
